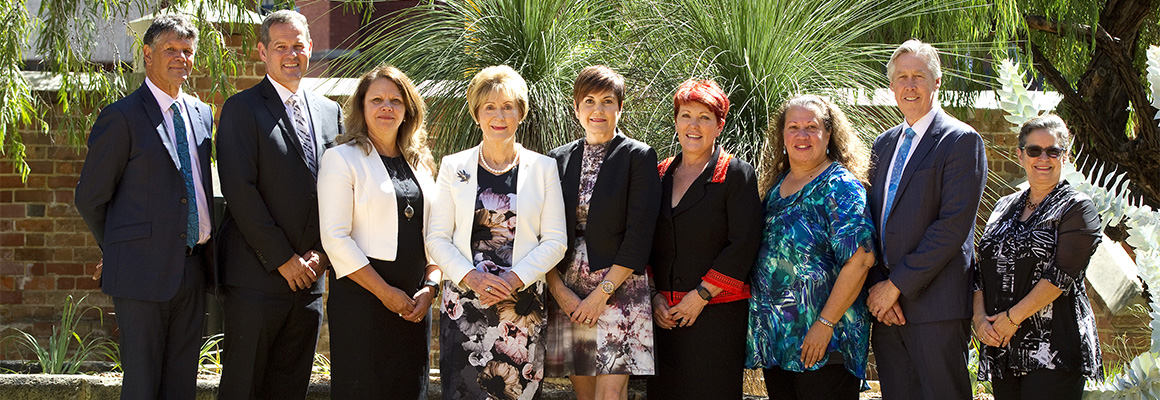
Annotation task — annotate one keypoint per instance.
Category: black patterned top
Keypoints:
(1055, 244)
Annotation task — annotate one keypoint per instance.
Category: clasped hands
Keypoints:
(994, 330)
(300, 271)
(683, 314)
(883, 303)
(491, 288)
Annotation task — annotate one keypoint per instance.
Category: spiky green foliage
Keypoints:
(445, 43)
(762, 52)
(66, 349)
(18, 108)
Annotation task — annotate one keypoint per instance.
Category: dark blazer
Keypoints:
(927, 241)
(271, 200)
(714, 231)
(132, 195)
(623, 210)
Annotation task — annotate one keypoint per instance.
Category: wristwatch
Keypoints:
(434, 287)
(704, 293)
(607, 287)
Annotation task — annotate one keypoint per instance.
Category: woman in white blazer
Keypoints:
(496, 228)
(374, 199)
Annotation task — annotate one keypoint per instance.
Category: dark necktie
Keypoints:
(191, 234)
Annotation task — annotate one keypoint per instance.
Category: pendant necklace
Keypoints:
(401, 175)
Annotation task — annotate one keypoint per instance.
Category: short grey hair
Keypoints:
(283, 17)
(1050, 122)
(924, 50)
(179, 25)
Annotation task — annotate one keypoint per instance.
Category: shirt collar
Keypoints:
(923, 123)
(283, 92)
(164, 100)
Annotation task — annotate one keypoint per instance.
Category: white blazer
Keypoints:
(357, 210)
(540, 239)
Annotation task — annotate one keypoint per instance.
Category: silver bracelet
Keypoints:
(825, 322)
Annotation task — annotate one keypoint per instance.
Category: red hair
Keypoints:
(705, 92)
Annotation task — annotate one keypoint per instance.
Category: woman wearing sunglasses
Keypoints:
(1031, 308)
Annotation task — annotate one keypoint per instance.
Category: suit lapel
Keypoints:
(204, 144)
(570, 182)
(466, 192)
(697, 188)
(932, 136)
(278, 110)
(885, 156)
(153, 111)
(614, 145)
(314, 104)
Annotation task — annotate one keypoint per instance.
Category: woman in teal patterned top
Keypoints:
(809, 329)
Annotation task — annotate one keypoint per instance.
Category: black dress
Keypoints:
(375, 354)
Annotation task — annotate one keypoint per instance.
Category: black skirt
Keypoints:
(706, 360)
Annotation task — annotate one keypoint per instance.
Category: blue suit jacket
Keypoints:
(132, 195)
(927, 241)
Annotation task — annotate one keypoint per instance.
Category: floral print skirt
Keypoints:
(621, 342)
(493, 352)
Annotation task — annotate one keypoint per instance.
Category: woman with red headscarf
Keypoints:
(706, 239)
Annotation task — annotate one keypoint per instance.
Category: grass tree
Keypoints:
(443, 44)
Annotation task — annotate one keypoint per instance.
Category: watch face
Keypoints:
(607, 287)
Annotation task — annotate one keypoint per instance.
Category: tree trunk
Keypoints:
(1097, 109)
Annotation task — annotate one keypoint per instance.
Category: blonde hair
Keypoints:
(844, 147)
(412, 136)
(497, 78)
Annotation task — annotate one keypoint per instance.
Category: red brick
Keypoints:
(69, 239)
(7, 283)
(6, 196)
(61, 254)
(7, 254)
(11, 181)
(66, 153)
(63, 196)
(86, 254)
(42, 328)
(40, 167)
(58, 182)
(90, 268)
(87, 283)
(66, 283)
(11, 239)
(33, 254)
(34, 239)
(12, 211)
(12, 268)
(67, 168)
(65, 268)
(32, 196)
(37, 269)
(75, 225)
(13, 297)
(57, 210)
(40, 283)
(34, 225)
(37, 181)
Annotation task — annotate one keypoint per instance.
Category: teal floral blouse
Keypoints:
(807, 238)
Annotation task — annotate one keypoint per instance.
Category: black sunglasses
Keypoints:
(1035, 151)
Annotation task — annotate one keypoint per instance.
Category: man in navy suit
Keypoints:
(926, 181)
(270, 140)
(145, 193)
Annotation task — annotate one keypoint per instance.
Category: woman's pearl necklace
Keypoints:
(483, 161)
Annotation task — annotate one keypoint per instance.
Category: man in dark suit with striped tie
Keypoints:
(144, 192)
(926, 181)
(270, 139)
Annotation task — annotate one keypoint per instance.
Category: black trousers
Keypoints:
(1040, 384)
(923, 361)
(830, 382)
(269, 343)
(160, 340)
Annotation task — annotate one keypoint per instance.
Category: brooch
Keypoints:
(463, 175)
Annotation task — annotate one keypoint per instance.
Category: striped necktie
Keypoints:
(304, 136)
